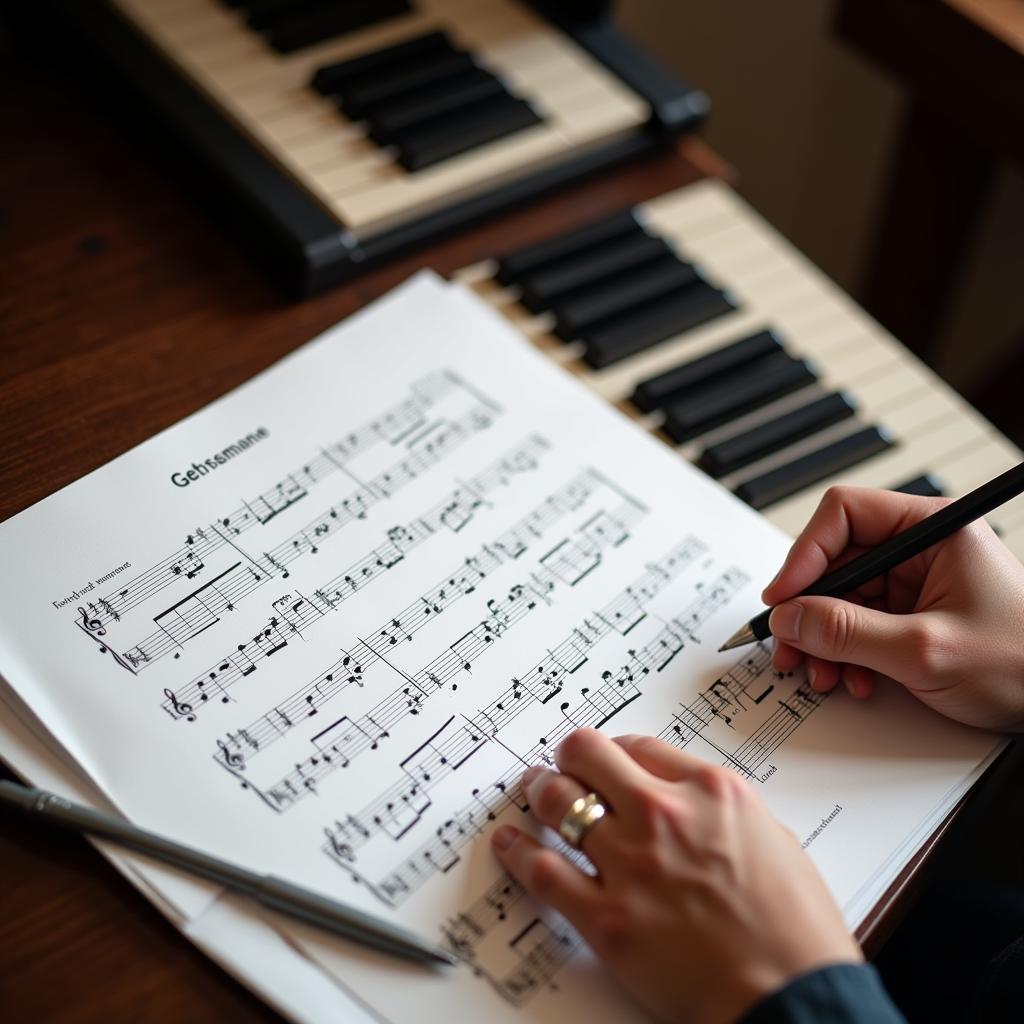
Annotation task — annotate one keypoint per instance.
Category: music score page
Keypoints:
(320, 628)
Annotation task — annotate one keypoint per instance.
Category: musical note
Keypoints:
(189, 565)
(259, 511)
(738, 693)
(392, 633)
(520, 601)
(541, 684)
(567, 582)
(271, 640)
(434, 760)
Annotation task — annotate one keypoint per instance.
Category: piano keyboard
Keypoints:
(698, 320)
(389, 110)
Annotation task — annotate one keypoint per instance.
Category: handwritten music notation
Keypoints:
(452, 513)
(741, 691)
(393, 428)
(395, 811)
(202, 608)
(784, 720)
(504, 939)
(339, 743)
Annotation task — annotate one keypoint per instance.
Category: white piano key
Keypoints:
(385, 204)
(268, 96)
(279, 71)
(935, 430)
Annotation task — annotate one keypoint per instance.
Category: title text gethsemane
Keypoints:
(185, 477)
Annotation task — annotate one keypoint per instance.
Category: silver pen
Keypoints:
(272, 892)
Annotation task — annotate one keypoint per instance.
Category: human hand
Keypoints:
(703, 903)
(948, 624)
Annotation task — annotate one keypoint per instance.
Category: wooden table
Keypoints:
(121, 311)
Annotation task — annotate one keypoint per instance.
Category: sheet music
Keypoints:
(320, 628)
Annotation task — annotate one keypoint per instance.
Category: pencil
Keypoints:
(272, 892)
(897, 549)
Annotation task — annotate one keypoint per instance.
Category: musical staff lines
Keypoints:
(452, 513)
(544, 681)
(742, 690)
(350, 737)
(393, 427)
(200, 610)
(502, 937)
(402, 805)
(787, 717)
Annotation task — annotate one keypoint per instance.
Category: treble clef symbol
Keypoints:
(232, 758)
(91, 625)
(179, 708)
(343, 851)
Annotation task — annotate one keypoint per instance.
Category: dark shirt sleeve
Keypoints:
(842, 994)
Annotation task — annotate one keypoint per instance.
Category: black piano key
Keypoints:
(734, 394)
(926, 486)
(440, 99)
(360, 99)
(742, 449)
(622, 292)
(429, 144)
(545, 286)
(332, 77)
(764, 490)
(657, 392)
(531, 258)
(638, 329)
(292, 29)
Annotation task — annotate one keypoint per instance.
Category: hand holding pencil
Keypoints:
(948, 624)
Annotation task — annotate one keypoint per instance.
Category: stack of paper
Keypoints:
(320, 627)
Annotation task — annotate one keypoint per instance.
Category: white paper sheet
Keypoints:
(249, 944)
(328, 651)
(29, 751)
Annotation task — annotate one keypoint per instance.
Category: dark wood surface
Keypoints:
(961, 63)
(122, 309)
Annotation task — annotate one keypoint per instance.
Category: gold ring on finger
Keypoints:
(581, 817)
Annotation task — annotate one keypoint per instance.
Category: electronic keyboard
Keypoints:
(698, 320)
(346, 131)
